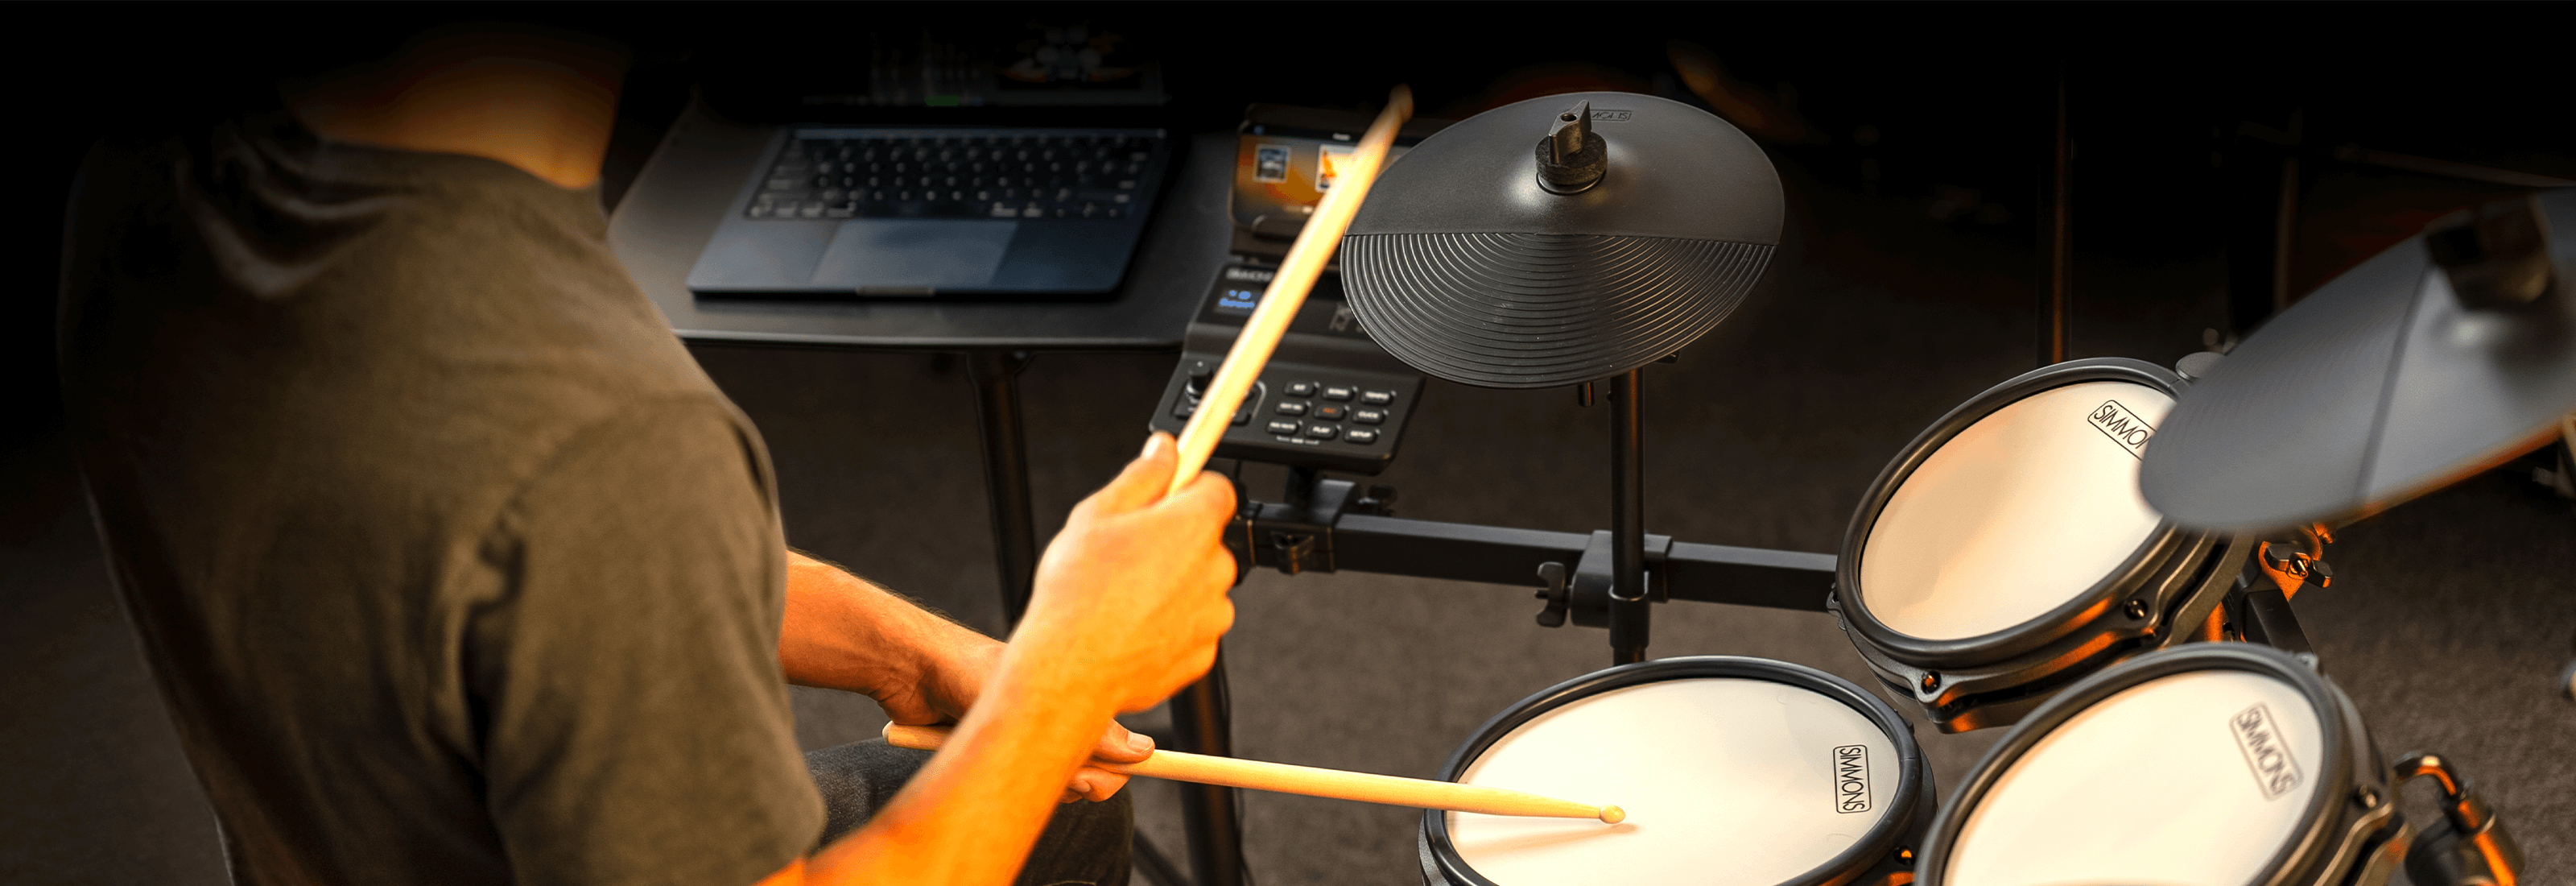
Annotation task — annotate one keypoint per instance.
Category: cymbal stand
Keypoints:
(1629, 617)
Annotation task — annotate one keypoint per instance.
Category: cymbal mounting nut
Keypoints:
(1931, 682)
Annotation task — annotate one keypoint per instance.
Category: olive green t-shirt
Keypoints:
(451, 564)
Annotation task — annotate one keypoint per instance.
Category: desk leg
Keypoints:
(1203, 720)
(1006, 473)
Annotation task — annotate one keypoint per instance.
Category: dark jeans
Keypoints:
(1085, 844)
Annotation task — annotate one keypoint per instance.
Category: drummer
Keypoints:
(454, 567)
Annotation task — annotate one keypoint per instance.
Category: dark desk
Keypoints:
(668, 214)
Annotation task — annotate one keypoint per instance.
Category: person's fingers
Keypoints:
(1194, 664)
(1143, 480)
(1098, 784)
(1118, 745)
(1218, 569)
(1218, 620)
(1207, 500)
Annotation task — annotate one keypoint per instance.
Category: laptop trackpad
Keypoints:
(907, 254)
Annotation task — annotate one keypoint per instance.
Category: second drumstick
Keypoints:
(1315, 782)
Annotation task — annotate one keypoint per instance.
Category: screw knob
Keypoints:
(1572, 158)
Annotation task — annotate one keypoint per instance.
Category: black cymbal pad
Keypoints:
(1466, 265)
(2378, 387)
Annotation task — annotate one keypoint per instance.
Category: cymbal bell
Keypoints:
(2434, 360)
(1561, 240)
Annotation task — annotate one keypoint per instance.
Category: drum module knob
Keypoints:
(1201, 372)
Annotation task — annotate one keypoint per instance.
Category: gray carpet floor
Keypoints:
(2448, 620)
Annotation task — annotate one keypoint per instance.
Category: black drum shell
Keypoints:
(2184, 572)
(1888, 846)
(2349, 828)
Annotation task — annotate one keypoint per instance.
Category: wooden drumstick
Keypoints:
(1313, 782)
(1296, 275)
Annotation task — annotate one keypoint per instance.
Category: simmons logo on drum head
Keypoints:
(2122, 426)
(2258, 734)
(1851, 778)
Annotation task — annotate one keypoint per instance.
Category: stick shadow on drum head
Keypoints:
(1734, 772)
(2006, 552)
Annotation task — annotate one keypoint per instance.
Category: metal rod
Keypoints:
(1505, 556)
(1006, 473)
(1629, 614)
(1200, 716)
(2273, 617)
(2055, 326)
(2446, 168)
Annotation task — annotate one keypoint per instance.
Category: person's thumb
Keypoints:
(1145, 479)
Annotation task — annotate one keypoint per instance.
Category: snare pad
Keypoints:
(2019, 513)
(2198, 777)
(1725, 781)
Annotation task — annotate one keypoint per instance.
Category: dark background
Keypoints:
(1916, 144)
(1949, 108)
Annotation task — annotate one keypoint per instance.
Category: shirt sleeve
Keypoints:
(635, 726)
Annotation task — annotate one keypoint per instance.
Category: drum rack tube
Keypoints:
(1336, 526)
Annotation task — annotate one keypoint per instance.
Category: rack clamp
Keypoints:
(1296, 536)
(1584, 593)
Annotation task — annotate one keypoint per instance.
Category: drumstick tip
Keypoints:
(1613, 815)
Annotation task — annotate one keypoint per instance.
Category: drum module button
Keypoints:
(1283, 427)
(1329, 412)
(1336, 392)
(1368, 416)
(1301, 389)
(1377, 398)
(1360, 435)
(1321, 432)
(1292, 408)
(1187, 408)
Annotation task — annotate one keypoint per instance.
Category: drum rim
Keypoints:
(2338, 741)
(2000, 693)
(2137, 570)
(1913, 774)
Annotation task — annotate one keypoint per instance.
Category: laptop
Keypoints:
(918, 212)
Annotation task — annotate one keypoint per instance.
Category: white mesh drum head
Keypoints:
(1726, 781)
(2197, 778)
(2025, 510)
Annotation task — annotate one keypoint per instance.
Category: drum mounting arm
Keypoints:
(1333, 525)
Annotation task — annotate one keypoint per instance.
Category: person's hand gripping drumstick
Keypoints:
(1296, 275)
(1313, 782)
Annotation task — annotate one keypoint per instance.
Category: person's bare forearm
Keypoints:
(1127, 606)
(841, 632)
(971, 814)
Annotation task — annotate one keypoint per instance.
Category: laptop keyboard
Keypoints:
(1020, 174)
